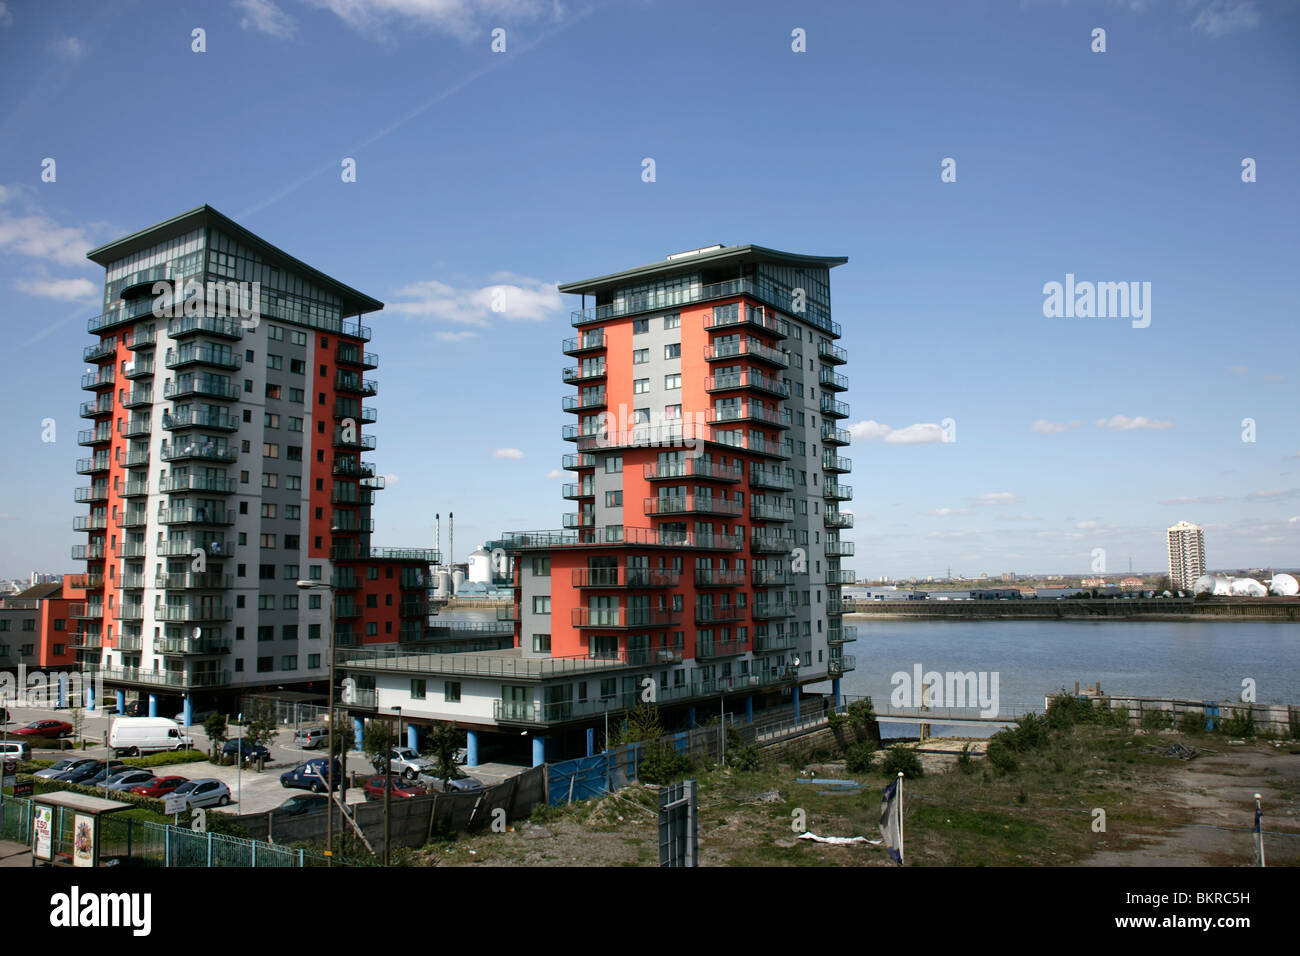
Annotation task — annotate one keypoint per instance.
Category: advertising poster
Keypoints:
(83, 841)
(43, 833)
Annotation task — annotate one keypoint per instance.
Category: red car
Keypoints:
(161, 787)
(43, 728)
(375, 788)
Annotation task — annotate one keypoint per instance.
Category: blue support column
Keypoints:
(539, 751)
(749, 709)
(471, 748)
(63, 691)
(153, 705)
(187, 708)
(796, 702)
(690, 718)
(591, 741)
(121, 701)
(835, 693)
(413, 737)
(358, 733)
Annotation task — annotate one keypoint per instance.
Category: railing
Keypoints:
(93, 436)
(748, 316)
(346, 382)
(98, 379)
(215, 516)
(135, 675)
(137, 397)
(86, 466)
(623, 577)
(351, 355)
(834, 491)
(834, 519)
(142, 367)
(135, 489)
(97, 522)
(833, 408)
(835, 436)
(771, 544)
(769, 478)
(579, 373)
(227, 328)
(746, 348)
(577, 403)
(137, 459)
(100, 406)
(719, 578)
(836, 463)
(767, 511)
(619, 535)
(692, 504)
(196, 483)
(209, 451)
(206, 580)
(831, 353)
(625, 617)
(584, 342)
(764, 643)
(574, 462)
(99, 350)
(829, 379)
(192, 419)
(183, 547)
(746, 378)
(841, 577)
(839, 665)
(693, 468)
(191, 354)
(749, 411)
(136, 428)
(766, 610)
(198, 386)
(720, 614)
(98, 492)
(838, 549)
(772, 578)
(841, 635)
(132, 549)
(204, 646)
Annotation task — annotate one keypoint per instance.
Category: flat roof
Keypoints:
(689, 262)
(83, 802)
(503, 662)
(352, 301)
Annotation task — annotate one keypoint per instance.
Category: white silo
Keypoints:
(480, 567)
(1284, 585)
(1205, 583)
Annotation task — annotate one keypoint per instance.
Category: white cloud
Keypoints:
(1125, 424)
(1044, 427)
(1295, 520)
(265, 17)
(463, 19)
(553, 474)
(6, 17)
(33, 234)
(919, 434)
(1271, 493)
(1086, 525)
(69, 48)
(1018, 518)
(390, 479)
(869, 430)
(995, 498)
(510, 297)
(65, 290)
(512, 453)
(1222, 17)
(455, 336)
(946, 512)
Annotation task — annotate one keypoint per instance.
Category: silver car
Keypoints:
(205, 792)
(63, 766)
(130, 778)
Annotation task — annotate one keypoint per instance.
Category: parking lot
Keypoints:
(251, 792)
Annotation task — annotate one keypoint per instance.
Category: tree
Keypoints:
(217, 730)
(261, 728)
(377, 742)
(441, 745)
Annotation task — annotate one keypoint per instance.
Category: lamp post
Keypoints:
(329, 767)
(388, 794)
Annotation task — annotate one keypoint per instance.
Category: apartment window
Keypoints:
(372, 600)
(59, 624)
(451, 692)
(640, 385)
(248, 355)
(542, 567)
(289, 632)
(243, 477)
(268, 509)
(275, 333)
(29, 624)
(640, 416)
(541, 604)
(541, 643)
(272, 391)
(266, 572)
(314, 572)
(268, 540)
(672, 412)
(613, 464)
(265, 665)
(418, 686)
(313, 632)
(613, 499)
(372, 629)
(270, 479)
(293, 482)
(313, 602)
(27, 650)
(673, 350)
(313, 661)
(672, 321)
(295, 424)
(270, 420)
(266, 602)
(296, 395)
(640, 325)
(673, 381)
(239, 600)
(297, 366)
(248, 385)
(640, 356)
(292, 512)
(275, 361)
(297, 338)
(58, 649)
(290, 603)
(266, 633)
(293, 452)
(270, 450)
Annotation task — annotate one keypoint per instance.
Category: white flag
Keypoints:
(891, 820)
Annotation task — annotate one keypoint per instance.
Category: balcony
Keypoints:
(140, 338)
(192, 613)
(201, 388)
(832, 382)
(132, 582)
(352, 468)
(187, 581)
(841, 606)
(351, 495)
(624, 617)
(834, 491)
(86, 611)
(720, 614)
(746, 378)
(584, 372)
(207, 325)
(361, 414)
(772, 577)
(133, 519)
(180, 646)
(97, 380)
(142, 367)
(350, 438)
(770, 544)
(832, 354)
(89, 466)
(103, 405)
(833, 409)
(173, 678)
(136, 459)
(206, 516)
(836, 519)
(93, 436)
(746, 348)
(95, 492)
(584, 402)
(135, 489)
(622, 577)
(83, 582)
(183, 483)
(836, 666)
(188, 355)
(585, 342)
(573, 491)
(215, 418)
(575, 462)
(841, 577)
(136, 428)
(129, 612)
(835, 436)
(138, 396)
(692, 504)
(719, 578)
(769, 511)
(105, 348)
(200, 451)
(184, 547)
(838, 549)
(354, 384)
(836, 464)
(751, 412)
(770, 610)
(347, 522)
(841, 635)
(579, 520)
(763, 643)
(701, 468)
(89, 552)
(706, 649)
(351, 355)
(345, 579)
(132, 549)
(748, 317)
(770, 479)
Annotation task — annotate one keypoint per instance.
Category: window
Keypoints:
(314, 572)
(673, 381)
(271, 421)
(243, 477)
(640, 416)
(372, 629)
(295, 424)
(265, 665)
(297, 366)
(29, 624)
(640, 356)
(541, 604)
(268, 509)
(541, 642)
(672, 321)
(313, 633)
(270, 479)
(672, 412)
(295, 395)
(58, 649)
(272, 391)
(297, 338)
(613, 499)
(275, 333)
(266, 602)
(268, 540)
(59, 626)
(266, 633)
(293, 482)
(266, 572)
(613, 464)
(542, 567)
(293, 452)
(640, 385)
(640, 325)
(290, 603)
(270, 450)
(313, 602)
(417, 688)
(673, 350)
(275, 361)
(451, 692)
(372, 600)
(292, 512)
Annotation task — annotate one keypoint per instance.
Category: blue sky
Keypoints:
(479, 169)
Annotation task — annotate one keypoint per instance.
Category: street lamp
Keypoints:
(329, 806)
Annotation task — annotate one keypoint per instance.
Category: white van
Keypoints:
(15, 750)
(134, 736)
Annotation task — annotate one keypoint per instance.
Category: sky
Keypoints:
(961, 155)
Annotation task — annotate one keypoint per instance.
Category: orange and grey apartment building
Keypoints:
(226, 399)
(701, 565)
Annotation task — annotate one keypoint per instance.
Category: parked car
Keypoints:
(242, 747)
(203, 793)
(129, 779)
(302, 803)
(409, 763)
(309, 738)
(313, 776)
(43, 728)
(136, 708)
(104, 774)
(197, 717)
(401, 788)
(64, 766)
(461, 756)
(83, 773)
(459, 785)
(160, 786)
(15, 750)
(138, 735)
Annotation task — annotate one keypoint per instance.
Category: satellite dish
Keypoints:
(197, 632)
(1284, 585)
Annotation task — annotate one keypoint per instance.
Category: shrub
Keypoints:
(862, 712)
(1000, 756)
(662, 764)
(902, 758)
(1191, 722)
(964, 762)
(1239, 725)
(1031, 731)
(740, 756)
(859, 757)
(1157, 719)
(166, 758)
(835, 720)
